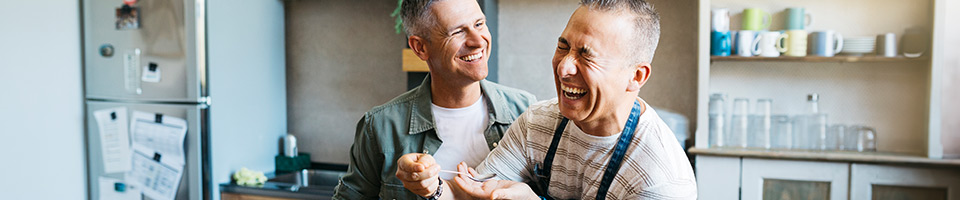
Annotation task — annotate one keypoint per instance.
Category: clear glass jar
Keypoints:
(868, 139)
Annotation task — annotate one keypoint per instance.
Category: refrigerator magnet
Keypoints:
(151, 73)
(128, 17)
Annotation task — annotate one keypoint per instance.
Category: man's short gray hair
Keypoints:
(647, 34)
(417, 17)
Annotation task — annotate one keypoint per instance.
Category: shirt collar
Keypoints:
(421, 117)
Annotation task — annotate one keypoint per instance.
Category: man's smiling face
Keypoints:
(459, 45)
(591, 66)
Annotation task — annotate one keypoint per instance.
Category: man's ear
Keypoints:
(640, 77)
(418, 45)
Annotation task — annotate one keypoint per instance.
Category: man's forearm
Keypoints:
(449, 193)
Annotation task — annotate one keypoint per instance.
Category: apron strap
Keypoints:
(542, 171)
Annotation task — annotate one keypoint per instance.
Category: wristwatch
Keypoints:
(436, 195)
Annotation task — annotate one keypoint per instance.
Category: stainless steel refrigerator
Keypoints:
(154, 56)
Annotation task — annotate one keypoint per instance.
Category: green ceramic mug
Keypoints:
(755, 19)
(798, 18)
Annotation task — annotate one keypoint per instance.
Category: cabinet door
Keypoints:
(896, 182)
(718, 177)
(787, 179)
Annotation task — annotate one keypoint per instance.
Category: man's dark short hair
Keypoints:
(417, 17)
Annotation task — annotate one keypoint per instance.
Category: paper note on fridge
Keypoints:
(114, 139)
(151, 73)
(157, 180)
(116, 189)
(158, 156)
(155, 133)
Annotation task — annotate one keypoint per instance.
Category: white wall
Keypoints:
(245, 42)
(41, 105)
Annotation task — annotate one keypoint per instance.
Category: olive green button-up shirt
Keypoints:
(405, 125)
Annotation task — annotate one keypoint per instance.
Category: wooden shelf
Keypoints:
(862, 157)
(819, 59)
(412, 63)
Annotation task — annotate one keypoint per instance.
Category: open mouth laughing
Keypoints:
(572, 92)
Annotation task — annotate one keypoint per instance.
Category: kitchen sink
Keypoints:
(319, 184)
(315, 178)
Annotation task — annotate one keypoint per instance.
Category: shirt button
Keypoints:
(495, 144)
(426, 151)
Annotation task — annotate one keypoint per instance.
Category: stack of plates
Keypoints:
(858, 45)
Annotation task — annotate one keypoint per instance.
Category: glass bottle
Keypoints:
(817, 131)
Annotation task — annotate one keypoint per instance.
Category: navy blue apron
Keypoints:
(542, 171)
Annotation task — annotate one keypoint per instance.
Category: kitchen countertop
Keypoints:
(322, 183)
(842, 156)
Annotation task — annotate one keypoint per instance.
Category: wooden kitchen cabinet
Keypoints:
(412, 63)
(869, 181)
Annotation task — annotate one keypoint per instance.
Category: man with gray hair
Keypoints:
(617, 146)
(454, 115)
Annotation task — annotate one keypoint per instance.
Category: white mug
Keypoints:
(768, 44)
(721, 20)
(744, 43)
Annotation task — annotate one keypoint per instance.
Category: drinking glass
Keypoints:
(851, 138)
(780, 132)
(738, 123)
(835, 135)
(717, 120)
(759, 130)
(799, 126)
(868, 139)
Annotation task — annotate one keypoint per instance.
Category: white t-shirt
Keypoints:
(654, 166)
(461, 130)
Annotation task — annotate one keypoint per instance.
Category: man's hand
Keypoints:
(491, 189)
(419, 173)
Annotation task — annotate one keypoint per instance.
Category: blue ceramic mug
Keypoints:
(720, 43)
(825, 43)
